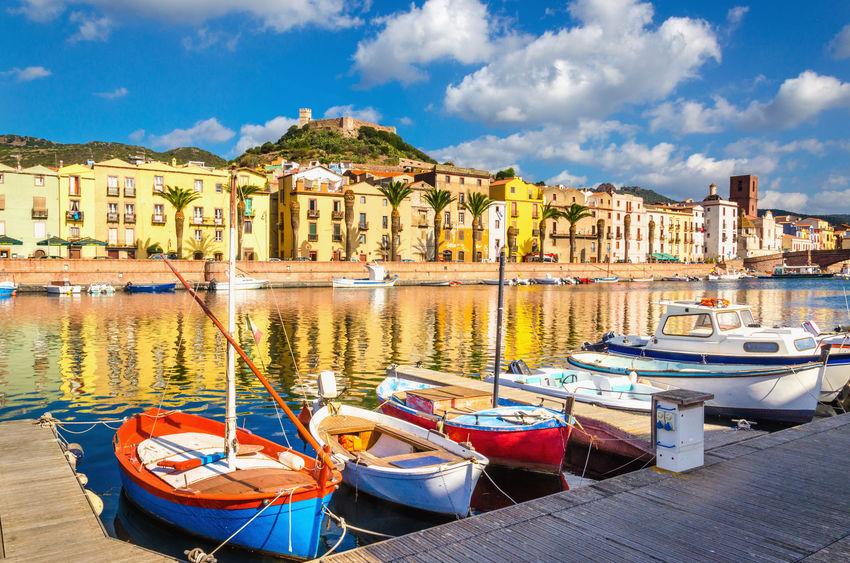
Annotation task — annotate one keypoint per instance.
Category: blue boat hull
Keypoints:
(6, 291)
(271, 532)
(150, 288)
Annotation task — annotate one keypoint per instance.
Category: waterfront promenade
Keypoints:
(777, 497)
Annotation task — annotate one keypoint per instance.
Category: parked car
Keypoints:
(161, 255)
(274, 259)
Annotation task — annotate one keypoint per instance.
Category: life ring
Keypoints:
(714, 302)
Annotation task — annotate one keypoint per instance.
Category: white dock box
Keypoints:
(677, 428)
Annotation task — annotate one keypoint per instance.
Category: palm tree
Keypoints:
(476, 203)
(179, 198)
(573, 214)
(395, 192)
(242, 193)
(438, 200)
(549, 212)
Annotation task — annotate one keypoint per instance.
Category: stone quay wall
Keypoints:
(32, 274)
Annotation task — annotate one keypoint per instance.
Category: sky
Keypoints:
(667, 95)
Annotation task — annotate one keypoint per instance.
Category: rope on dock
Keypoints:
(340, 520)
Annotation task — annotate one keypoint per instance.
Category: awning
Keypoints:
(88, 241)
(7, 241)
(665, 257)
(53, 241)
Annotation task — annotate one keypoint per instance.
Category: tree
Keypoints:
(573, 214)
(476, 203)
(179, 198)
(242, 193)
(549, 212)
(438, 200)
(505, 174)
(395, 192)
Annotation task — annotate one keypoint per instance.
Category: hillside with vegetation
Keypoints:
(831, 219)
(304, 144)
(33, 151)
(649, 196)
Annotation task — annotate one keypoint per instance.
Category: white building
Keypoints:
(497, 229)
(613, 208)
(721, 226)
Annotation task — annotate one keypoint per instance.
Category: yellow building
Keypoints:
(524, 205)
(558, 232)
(311, 215)
(77, 215)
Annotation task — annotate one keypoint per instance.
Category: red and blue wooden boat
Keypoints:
(511, 435)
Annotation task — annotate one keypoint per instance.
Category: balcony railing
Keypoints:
(218, 220)
(129, 217)
(312, 213)
(39, 214)
(250, 213)
(423, 224)
(129, 192)
(337, 215)
(312, 237)
(76, 216)
(448, 225)
(336, 238)
(113, 191)
(198, 220)
(535, 232)
(158, 219)
(158, 188)
(363, 226)
(112, 217)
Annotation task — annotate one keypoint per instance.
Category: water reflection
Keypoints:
(105, 357)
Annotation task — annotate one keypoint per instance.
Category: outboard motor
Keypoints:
(602, 345)
(212, 285)
(518, 367)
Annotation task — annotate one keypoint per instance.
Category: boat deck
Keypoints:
(779, 497)
(54, 521)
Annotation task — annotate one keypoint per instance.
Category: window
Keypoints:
(218, 235)
(362, 239)
(460, 199)
(534, 211)
(199, 185)
(513, 189)
(385, 241)
(39, 180)
(460, 217)
(73, 205)
(112, 181)
(497, 224)
(2, 177)
(129, 237)
(448, 218)
(337, 206)
(555, 197)
(112, 238)
(73, 232)
(363, 220)
(312, 205)
(199, 235)
(73, 185)
(479, 183)
(129, 183)
(728, 320)
(363, 199)
(766, 347)
(448, 179)
(130, 208)
(460, 235)
(112, 207)
(337, 232)
(384, 222)
(804, 344)
(158, 183)
(157, 209)
(219, 188)
(384, 202)
(38, 229)
(688, 325)
(248, 227)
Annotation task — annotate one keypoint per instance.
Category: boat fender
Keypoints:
(633, 377)
(82, 479)
(350, 442)
(95, 502)
(291, 461)
(74, 449)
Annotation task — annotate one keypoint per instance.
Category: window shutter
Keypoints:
(2, 201)
(39, 203)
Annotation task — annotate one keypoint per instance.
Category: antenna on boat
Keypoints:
(230, 442)
(498, 365)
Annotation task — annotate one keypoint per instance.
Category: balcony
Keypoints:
(423, 224)
(158, 219)
(158, 188)
(129, 192)
(39, 214)
(312, 237)
(218, 220)
(448, 226)
(363, 226)
(196, 220)
(114, 191)
(74, 216)
(337, 215)
(312, 214)
(112, 217)
(129, 217)
(249, 213)
(535, 232)
(336, 238)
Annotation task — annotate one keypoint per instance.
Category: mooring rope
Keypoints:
(340, 519)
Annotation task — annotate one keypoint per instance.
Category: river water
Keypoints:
(100, 358)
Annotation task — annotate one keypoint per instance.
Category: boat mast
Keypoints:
(230, 443)
(498, 365)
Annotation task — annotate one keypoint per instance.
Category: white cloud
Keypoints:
(363, 114)
(117, 93)
(736, 15)
(790, 201)
(405, 121)
(687, 117)
(456, 30)
(137, 135)
(568, 179)
(251, 135)
(204, 39)
(207, 131)
(28, 73)
(756, 145)
(276, 15)
(798, 100)
(92, 28)
(839, 47)
(614, 58)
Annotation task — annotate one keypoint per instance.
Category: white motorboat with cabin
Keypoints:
(62, 287)
(807, 271)
(713, 331)
(377, 278)
(241, 281)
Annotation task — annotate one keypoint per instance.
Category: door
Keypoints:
(74, 252)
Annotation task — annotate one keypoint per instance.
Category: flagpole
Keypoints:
(230, 443)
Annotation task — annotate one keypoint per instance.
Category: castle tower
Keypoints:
(744, 190)
(305, 116)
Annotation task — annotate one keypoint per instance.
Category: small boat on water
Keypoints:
(377, 278)
(649, 279)
(62, 287)
(101, 289)
(608, 279)
(496, 282)
(439, 283)
(398, 461)
(716, 332)
(240, 282)
(511, 435)
(807, 271)
(8, 288)
(548, 280)
(617, 392)
(676, 277)
(784, 393)
(149, 287)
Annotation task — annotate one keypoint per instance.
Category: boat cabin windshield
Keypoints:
(728, 320)
(748, 319)
(698, 325)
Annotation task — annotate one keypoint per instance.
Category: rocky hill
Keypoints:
(41, 151)
(305, 144)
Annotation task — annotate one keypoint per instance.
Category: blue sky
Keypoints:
(668, 95)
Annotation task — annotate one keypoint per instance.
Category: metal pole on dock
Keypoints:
(498, 365)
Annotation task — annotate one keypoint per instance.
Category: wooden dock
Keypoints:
(44, 513)
(607, 442)
(780, 497)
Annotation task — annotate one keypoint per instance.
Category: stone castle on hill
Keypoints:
(345, 126)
